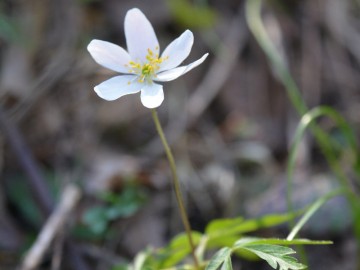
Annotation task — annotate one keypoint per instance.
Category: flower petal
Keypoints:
(117, 87)
(152, 95)
(140, 35)
(109, 55)
(177, 51)
(174, 73)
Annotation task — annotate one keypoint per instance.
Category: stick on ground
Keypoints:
(56, 221)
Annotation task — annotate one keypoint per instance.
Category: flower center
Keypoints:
(146, 71)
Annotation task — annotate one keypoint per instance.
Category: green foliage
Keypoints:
(276, 255)
(97, 220)
(116, 206)
(226, 236)
(227, 265)
(269, 250)
(224, 232)
(184, 13)
(275, 241)
(177, 249)
(220, 257)
(140, 261)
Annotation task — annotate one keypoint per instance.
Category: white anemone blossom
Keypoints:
(141, 64)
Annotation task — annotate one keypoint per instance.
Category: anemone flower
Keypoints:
(142, 64)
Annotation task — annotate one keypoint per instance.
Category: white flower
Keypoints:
(141, 65)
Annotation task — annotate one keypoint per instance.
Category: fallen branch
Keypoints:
(54, 224)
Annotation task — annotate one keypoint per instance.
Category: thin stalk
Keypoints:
(176, 185)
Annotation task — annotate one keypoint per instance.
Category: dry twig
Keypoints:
(69, 199)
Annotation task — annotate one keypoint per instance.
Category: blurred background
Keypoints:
(229, 121)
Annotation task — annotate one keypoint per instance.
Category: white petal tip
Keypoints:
(152, 103)
(94, 44)
(199, 61)
(134, 12)
(188, 32)
(101, 94)
(135, 9)
(152, 96)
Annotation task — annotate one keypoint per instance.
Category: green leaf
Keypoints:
(221, 228)
(271, 251)
(227, 265)
(222, 241)
(182, 241)
(219, 258)
(122, 210)
(120, 205)
(276, 256)
(247, 241)
(179, 248)
(96, 219)
(201, 248)
(140, 260)
(144, 260)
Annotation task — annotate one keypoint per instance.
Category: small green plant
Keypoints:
(227, 238)
(116, 205)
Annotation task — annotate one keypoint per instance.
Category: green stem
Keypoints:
(176, 184)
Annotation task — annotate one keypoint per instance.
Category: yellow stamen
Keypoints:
(147, 71)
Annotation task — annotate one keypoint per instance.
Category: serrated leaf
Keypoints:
(271, 251)
(276, 256)
(219, 258)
